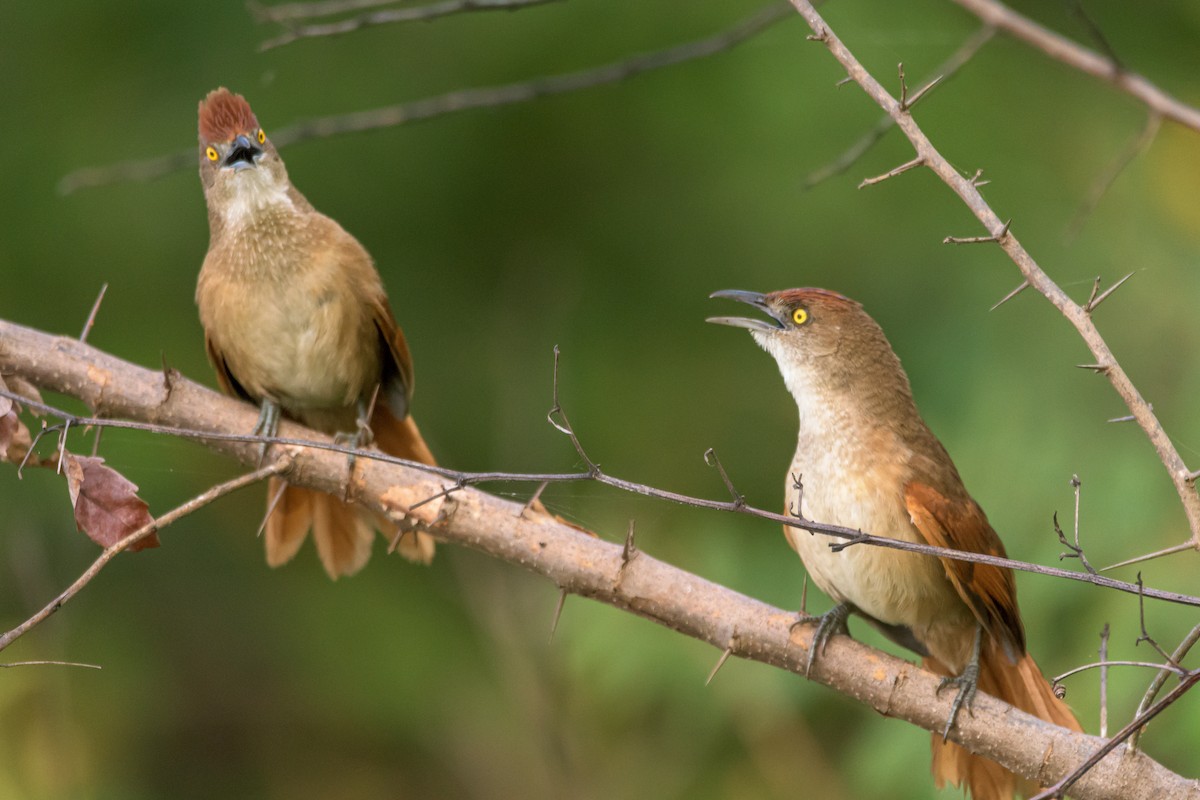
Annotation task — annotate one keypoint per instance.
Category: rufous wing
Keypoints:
(396, 377)
(988, 591)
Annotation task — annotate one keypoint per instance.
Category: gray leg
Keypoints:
(267, 425)
(967, 683)
(830, 623)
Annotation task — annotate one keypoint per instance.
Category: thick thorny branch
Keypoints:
(591, 567)
(27, 348)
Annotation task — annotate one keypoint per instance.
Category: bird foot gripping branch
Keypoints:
(870, 463)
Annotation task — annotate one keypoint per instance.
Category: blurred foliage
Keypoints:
(598, 221)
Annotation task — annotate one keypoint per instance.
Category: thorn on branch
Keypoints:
(900, 170)
(1022, 287)
(629, 551)
(91, 317)
(724, 657)
(533, 500)
(1095, 301)
(558, 609)
(977, 179)
(711, 459)
(820, 36)
(997, 237)
(843, 82)
(1101, 369)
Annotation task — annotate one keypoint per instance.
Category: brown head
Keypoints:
(236, 157)
(826, 345)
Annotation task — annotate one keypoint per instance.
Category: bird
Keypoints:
(866, 460)
(296, 320)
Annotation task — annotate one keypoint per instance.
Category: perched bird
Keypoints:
(867, 461)
(296, 319)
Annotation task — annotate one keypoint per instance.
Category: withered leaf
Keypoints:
(14, 436)
(107, 507)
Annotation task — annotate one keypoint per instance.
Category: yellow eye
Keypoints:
(799, 316)
(211, 152)
(262, 136)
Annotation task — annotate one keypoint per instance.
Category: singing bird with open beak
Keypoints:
(869, 462)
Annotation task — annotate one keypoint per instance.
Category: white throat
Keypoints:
(255, 191)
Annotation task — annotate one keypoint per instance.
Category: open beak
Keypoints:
(243, 154)
(755, 299)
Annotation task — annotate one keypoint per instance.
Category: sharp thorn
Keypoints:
(558, 609)
(720, 663)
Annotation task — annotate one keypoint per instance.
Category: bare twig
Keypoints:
(1166, 551)
(1140, 721)
(891, 173)
(1095, 300)
(995, 237)
(1156, 685)
(1076, 548)
(453, 102)
(50, 664)
(417, 14)
(1145, 635)
(1087, 61)
(1103, 665)
(323, 8)
(967, 191)
(112, 551)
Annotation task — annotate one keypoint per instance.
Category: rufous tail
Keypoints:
(344, 532)
(1020, 684)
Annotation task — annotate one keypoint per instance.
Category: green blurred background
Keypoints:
(598, 221)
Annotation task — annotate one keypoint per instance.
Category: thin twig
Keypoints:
(50, 664)
(424, 13)
(1156, 685)
(290, 11)
(453, 102)
(1140, 721)
(1103, 665)
(793, 518)
(891, 173)
(109, 553)
(1166, 551)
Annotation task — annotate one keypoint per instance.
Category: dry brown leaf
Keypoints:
(106, 504)
(14, 436)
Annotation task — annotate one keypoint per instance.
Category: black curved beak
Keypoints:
(755, 299)
(243, 154)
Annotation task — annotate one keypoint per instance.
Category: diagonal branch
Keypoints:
(590, 567)
(26, 354)
(396, 15)
(453, 102)
(1087, 61)
(1076, 314)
